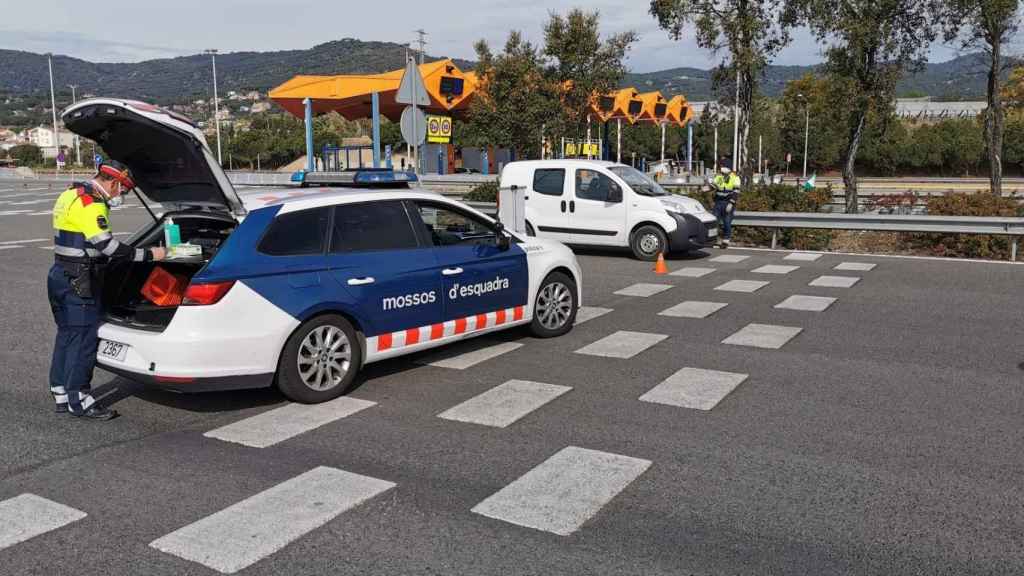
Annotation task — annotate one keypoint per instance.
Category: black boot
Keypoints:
(96, 412)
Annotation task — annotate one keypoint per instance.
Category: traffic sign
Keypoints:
(414, 125)
(411, 90)
(439, 129)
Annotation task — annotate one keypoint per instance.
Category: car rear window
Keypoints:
(295, 233)
(368, 226)
(549, 181)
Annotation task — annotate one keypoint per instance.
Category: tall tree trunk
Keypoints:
(849, 174)
(994, 119)
(745, 169)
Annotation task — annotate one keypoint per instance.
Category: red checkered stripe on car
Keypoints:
(413, 336)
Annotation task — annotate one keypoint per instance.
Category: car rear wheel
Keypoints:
(320, 360)
(647, 242)
(554, 311)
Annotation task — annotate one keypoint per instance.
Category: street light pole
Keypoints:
(53, 108)
(807, 127)
(216, 105)
(78, 145)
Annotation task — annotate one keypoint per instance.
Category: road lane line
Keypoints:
(694, 388)
(31, 241)
(803, 256)
(564, 491)
(587, 313)
(692, 272)
(622, 344)
(834, 281)
(806, 303)
(693, 309)
(9, 246)
(246, 532)
(742, 286)
(446, 359)
(855, 266)
(27, 516)
(643, 290)
(729, 258)
(504, 404)
(282, 423)
(763, 336)
(775, 269)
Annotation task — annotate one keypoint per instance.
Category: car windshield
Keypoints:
(639, 181)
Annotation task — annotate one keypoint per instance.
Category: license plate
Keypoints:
(712, 232)
(113, 350)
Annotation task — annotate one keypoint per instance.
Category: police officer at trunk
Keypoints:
(727, 193)
(83, 244)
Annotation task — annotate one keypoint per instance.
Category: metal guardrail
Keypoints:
(240, 178)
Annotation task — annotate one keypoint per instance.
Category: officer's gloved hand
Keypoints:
(730, 207)
(158, 252)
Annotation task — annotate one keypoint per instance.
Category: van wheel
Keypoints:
(529, 230)
(647, 242)
(554, 311)
(320, 360)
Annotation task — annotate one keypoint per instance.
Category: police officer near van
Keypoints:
(726, 185)
(83, 245)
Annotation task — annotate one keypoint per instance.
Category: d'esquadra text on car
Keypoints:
(600, 203)
(301, 288)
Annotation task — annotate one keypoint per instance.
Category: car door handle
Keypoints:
(451, 271)
(360, 281)
(563, 205)
(572, 206)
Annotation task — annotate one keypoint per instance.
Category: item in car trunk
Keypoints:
(164, 288)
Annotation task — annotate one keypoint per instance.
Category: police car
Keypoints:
(301, 288)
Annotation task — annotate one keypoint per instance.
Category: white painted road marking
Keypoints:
(693, 309)
(9, 246)
(504, 404)
(32, 241)
(834, 281)
(467, 359)
(742, 286)
(586, 313)
(694, 388)
(27, 516)
(643, 290)
(564, 491)
(622, 344)
(855, 266)
(692, 272)
(803, 256)
(260, 525)
(775, 269)
(282, 423)
(729, 258)
(806, 303)
(763, 336)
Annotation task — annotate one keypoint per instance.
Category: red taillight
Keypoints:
(206, 294)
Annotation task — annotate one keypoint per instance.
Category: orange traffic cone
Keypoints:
(659, 267)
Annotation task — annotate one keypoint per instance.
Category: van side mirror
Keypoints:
(614, 192)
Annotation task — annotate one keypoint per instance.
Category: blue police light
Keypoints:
(382, 177)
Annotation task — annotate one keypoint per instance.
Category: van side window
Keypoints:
(549, 181)
(296, 233)
(592, 185)
(368, 226)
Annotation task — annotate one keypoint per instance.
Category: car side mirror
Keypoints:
(502, 240)
(614, 193)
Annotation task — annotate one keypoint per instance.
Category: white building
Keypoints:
(925, 110)
(43, 137)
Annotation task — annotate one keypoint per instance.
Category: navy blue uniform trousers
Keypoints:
(725, 217)
(74, 351)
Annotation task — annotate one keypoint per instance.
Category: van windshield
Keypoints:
(639, 181)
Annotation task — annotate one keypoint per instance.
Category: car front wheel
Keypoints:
(554, 310)
(647, 242)
(320, 360)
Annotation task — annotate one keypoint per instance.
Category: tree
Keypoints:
(872, 42)
(1013, 90)
(27, 154)
(752, 34)
(989, 24)
(581, 63)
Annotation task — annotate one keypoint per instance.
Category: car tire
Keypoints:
(317, 364)
(529, 230)
(554, 310)
(647, 242)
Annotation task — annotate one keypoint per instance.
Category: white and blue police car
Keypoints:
(301, 288)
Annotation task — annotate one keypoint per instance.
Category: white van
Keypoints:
(598, 203)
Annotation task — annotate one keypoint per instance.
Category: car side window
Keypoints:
(549, 181)
(449, 227)
(369, 226)
(592, 185)
(296, 233)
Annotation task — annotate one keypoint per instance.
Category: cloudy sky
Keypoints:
(123, 30)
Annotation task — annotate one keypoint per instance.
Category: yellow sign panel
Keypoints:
(439, 129)
(592, 149)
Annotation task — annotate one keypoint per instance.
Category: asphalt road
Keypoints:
(883, 438)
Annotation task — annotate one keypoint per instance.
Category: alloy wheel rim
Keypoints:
(649, 243)
(554, 305)
(324, 358)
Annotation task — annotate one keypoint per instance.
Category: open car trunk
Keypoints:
(122, 290)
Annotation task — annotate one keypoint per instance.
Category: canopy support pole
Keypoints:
(375, 99)
(310, 163)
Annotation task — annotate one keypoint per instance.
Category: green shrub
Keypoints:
(966, 245)
(486, 192)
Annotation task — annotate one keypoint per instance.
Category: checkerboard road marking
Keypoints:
(693, 309)
(742, 286)
(806, 303)
(803, 256)
(27, 516)
(449, 358)
(834, 281)
(504, 404)
(855, 266)
(280, 424)
(694, 388)
(692, 272)
(729, 258)
(245, 533)
(763, 336)
(586, 313)
(643, 290)
(622, 344)
(564, 491)
(775, 269)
